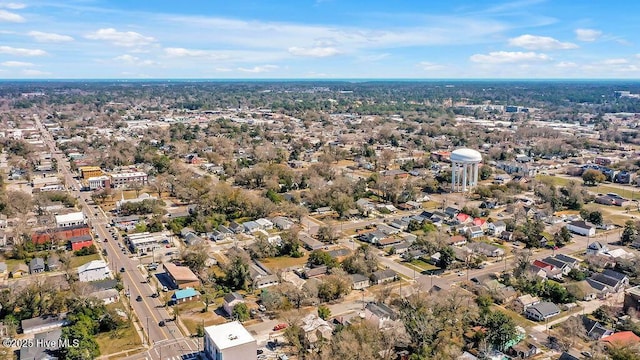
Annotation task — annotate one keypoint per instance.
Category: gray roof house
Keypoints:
(383, 276)
(43, 323)
(36, 265)
(542, 311)
(359, 282)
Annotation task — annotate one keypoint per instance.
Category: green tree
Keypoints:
(629, 234)
(241, 312)
(324, 312)
(592, 177)
(562, 236)
(485, 172)
(447, 256)
(500, 329)
(238, 275)
(595, 217)
(319, 258)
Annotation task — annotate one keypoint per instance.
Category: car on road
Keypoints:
(139, 298)
(460, 273)
(161, 323)
(165, 289)
(280, 326)
(260, 351)
(154, 295)
(121, 269)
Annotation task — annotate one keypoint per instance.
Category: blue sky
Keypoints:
(319, 39)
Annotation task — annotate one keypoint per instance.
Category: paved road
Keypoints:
(149, 311)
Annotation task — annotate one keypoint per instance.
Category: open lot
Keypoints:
(81, 260)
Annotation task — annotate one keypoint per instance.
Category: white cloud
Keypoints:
(121, 38)
(615, 61)
(32, 72)
(7, 16)
(133, 60)
(16, 64)
(533, 42)
(13, 6)
(588, 34)
(49, 37)
(503, 57)
(21, 51)
(182, 52)
(314, 51)
(429, 66)
(223, 69)
(566, 64)
(259, 69)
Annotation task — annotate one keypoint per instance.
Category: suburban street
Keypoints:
(149, 311)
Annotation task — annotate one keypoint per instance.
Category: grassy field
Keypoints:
(12, 263)
(81, 260)
(517, 318)
(191, 315)
(118, 340)
(629, 193)
(283, 262)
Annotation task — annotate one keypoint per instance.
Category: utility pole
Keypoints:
(148, 334)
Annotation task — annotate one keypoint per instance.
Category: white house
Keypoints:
(581, 228)
(93, 271)
(71, 219)
(542, 311)
(230, 301)
(228, 342)
(496, 228)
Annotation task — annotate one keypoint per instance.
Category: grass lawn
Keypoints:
(118, 340)
(283, 262)
(191, 315)
(517, 318)
(599, 189)
(424, 265)
(81, 260)
(430, 204)
(12, 263)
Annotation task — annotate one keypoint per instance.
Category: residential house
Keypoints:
(282, 222)
(506, 236)
(108, 296)
(53, 262)
(20, 271)
(36, 265)
(475, 232)
(486, 249)
(597, 248)
(230, 300)
(229, 341)
(595, 330)
(457, 240)
(524, 349)
(93, 271)
(451, 211)
(309, 242)
(614, 280)
(264, 281)
(622, 338)
(184, 295)
(384, 276)
(632, 299)
(379, 315)
(43, 323)
(497, 227)
(45, 346)
(581, 228)
(542, 311)
(521, 303)
(583, 290)
(557, 264)
(315, 328)
(359, 282)
(315, 272)
(264, 224)
(463, 218)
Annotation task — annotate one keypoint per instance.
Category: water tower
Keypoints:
(464, 169)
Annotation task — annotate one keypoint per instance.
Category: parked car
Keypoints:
(139, 298)
(122, 269)
(161, 323)
(280, 326)
(165, 289)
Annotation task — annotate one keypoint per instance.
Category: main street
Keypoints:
(149, 311)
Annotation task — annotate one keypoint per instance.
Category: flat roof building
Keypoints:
(145, 242)
(229, 341)
(71, 219)
(181, 276)
(125, 179)
(89, 171)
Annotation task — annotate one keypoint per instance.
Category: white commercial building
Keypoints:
(464, 169)
(125, 179)
(230, 341)
(71, 219)
(145, 242)
(93, 271)
(98, 182)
